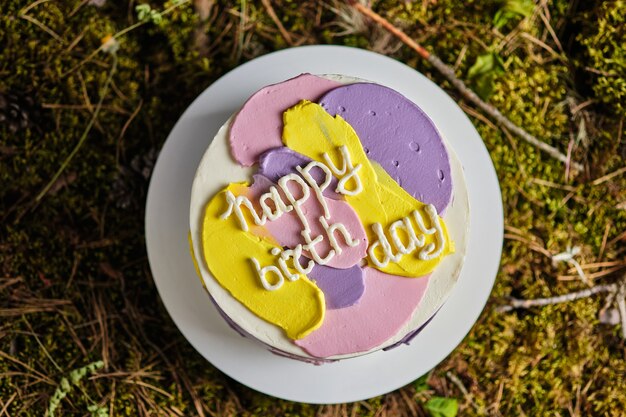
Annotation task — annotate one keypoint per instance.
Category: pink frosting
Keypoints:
(258, 126)
(388, 303)
(286, 229)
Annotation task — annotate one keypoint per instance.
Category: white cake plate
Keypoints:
(167, 226)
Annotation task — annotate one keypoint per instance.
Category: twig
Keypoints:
(82, 139)
(605, 237)
(241, 30)
(520, 303)
(609, 176)
(459, 384)
(465, 91)
(617, 238)
(596, 265)
(531, 245)
(568, 256)
(7, 404)
(551, 184)
(593, 276)
(570, 148)
(277, 22)
(621, 306)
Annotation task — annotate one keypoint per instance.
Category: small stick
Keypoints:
(281, 28)
(597, 265)
(620, 301)
(607, 177)
(459, 384)
(621, 306)
(551, 184)
(520, 303)
(605, 237)
(448, 72)
(593, 276)
(618, 238)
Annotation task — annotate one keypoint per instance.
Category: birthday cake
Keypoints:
(328, 218)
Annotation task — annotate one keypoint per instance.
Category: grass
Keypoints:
(75, 285)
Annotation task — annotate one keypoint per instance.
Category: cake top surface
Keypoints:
(330, 240)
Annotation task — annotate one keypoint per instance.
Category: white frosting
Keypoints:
(338, 227)
(262, 272)
(431, 251)
(347, 172)
(217, 169)
(318, 189)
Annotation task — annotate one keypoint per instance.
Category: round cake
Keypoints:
(328, 218)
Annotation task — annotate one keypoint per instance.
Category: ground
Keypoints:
(82, 326)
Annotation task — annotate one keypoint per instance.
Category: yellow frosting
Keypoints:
(297, 307)
(311, 131)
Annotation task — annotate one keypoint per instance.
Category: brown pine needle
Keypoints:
(621, 236)
(605, 237)
(277, 22)
(609, 176)
(593, 276)
(621, 307)
(465, 91)
(551, 184)
(531, 245)
(42, 27)
(596, 265)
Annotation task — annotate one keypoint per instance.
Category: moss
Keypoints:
(606, 52)
(75, 265)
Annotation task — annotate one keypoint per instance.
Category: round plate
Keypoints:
(167, 227)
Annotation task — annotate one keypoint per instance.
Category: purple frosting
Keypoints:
(341, 287)
(278, 162)
(399, 136)
(406, 340)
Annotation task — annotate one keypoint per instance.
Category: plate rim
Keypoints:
(309, 52)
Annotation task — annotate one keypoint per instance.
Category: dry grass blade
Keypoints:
(42, 27)
(551, 184)
(605, 237)
(9, 282)
(43, 377)
(531, 245)
(608, 177)
(31, 305)
(594, 275)
(7, 404)
(621, 306)
(596, 265)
